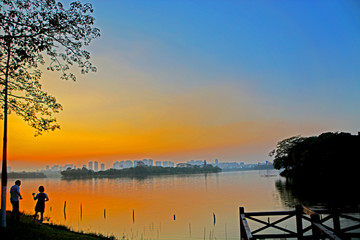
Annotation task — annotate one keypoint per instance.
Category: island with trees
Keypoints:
(328, 156)
(137, 172)
(320, 169)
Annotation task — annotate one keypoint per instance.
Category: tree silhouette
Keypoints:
(329, 158)
(32, 33)
(281, 153)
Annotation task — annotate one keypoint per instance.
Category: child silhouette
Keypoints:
(40, 205)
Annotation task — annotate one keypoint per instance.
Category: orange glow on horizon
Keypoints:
(72, 143)
(112, 124)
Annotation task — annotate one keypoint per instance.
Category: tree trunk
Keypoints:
(4, 156)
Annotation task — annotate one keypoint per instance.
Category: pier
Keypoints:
(305, 224)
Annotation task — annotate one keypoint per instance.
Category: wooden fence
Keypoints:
(317, 221)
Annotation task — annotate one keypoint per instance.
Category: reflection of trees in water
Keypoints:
(286, 195)
(300, 193)
(317, 194)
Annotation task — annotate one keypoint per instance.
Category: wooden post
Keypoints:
(245, 232)
(315, 218)
(241, 211)
(65, 210)
(299, 225)
(133, 215)
(336, 221)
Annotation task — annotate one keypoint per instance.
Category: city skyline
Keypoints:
(133, 163)
(202, 80)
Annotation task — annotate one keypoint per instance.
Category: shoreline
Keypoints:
(24, 229)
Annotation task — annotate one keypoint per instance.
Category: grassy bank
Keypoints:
(25, 229)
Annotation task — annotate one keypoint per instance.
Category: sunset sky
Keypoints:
(194, 80)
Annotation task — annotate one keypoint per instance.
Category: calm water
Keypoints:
(164, 207)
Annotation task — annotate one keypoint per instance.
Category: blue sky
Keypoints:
(181, 80)
(286, 47)
(289, 52)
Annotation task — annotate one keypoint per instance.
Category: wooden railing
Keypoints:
(316, 229)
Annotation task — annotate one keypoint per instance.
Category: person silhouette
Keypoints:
(40, 205)
(14, 199)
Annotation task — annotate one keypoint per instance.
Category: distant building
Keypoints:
(90, 166)
(128, 164)
(96, 166)
(199, 163)
(168, 164)
(228, 165)
(139, 163)
(196, 163)
(144, 162)
(102, 167)
(68, 166)
(184, 165)
(84, 166)
(123, 164)
(148, 162)
(55, 168)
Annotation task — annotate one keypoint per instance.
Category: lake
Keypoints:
(198, 206)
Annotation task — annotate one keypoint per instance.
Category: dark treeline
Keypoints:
(329, 156)
(26, 175)
(139, 171)
(319, 169)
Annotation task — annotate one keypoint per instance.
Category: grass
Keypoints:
(25, 229)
